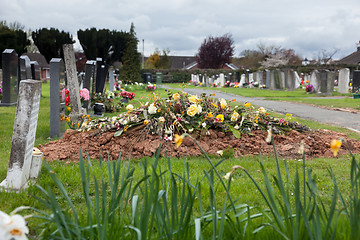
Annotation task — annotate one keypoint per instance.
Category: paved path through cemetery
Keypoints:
(322, 115)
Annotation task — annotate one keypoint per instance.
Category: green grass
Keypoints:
(242, 187)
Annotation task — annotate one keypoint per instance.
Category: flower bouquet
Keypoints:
(309, 88)
(151, 87)
(126, 96)
(356, 94)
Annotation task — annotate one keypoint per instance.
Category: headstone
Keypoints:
(57, 105)
(242, 80)
(23, 135)
(112, 80)
(101, 74)
(237, 75)
(81, 77)
(290, 79)
(356, 81)
(10, 77)
(35, 70)
(315, 80)
(25, 67)
(259, 77)
(206, 80)
(343, 81)
(89, 79)
(297, 80)
(267, 78)
(72, 82)
(282, 80)
(326, 82)
(222, 79)
(274, 80)
(330, 82)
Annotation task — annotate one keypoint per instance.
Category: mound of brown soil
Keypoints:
(133, 143)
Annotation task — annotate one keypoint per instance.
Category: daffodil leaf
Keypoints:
(118, 133)
(235, 132)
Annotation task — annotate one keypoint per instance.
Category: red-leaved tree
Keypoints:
(214, 52)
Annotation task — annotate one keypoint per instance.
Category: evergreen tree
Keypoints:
(131, 59)
(12, 36)
(50, 41)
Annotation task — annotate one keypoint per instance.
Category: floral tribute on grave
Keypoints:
(183, 113)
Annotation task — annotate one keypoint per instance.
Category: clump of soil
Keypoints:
(136, 144)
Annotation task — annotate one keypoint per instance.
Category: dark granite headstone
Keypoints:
(356, 81)
(277, 80)
(323, 81)
(10, 77)
(97, 84)
(267, 78)
(57, 105)
(23, 135)
(25, 67)
(89, 79)
(35, 70)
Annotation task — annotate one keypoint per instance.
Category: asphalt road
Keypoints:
(321, 115)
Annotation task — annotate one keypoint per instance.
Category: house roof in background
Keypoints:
(353, 58)
(179, 62)
(39, 58)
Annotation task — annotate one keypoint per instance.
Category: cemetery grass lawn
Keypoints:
(242, 187)
(299, 96)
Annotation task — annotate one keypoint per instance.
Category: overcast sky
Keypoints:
(307, 26)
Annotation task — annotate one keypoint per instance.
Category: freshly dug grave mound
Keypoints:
(135, 144)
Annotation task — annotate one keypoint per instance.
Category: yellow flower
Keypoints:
(126, 128)
(288, 117)
(78, 124)
(220, 117)
(210, 115)
(193, 99)
(67, 119)
(176, 96)
(223, 103)
(146, 122)
(192, 110)
(335, 146)
(69, 108)
(247, 104)
(214, 105)
(234, 116)
(178, 140)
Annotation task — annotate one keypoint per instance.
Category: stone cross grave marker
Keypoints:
(356, 81)
(23, 135)
(72, 82)
(10, 77)
(343, 81)
(57, 105)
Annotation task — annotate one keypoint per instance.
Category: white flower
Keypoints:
(227, 176)
(236, 127)
(203, 124)
(220, 152)
(268, 138)
(199, 109)
(130, 107)
(152, 109)
(262, 110)
(161, 119)
(13, 227)
(191, 130)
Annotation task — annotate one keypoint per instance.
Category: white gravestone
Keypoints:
(344, 79)
(23, 139)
